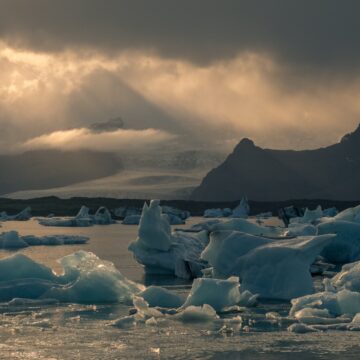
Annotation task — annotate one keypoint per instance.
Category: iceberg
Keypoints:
(86, 279)
(82, 219)
(345, 247)
(12, 240)
(242, 210)
(348, 278)
(159, 296)
(193, 313)
(23, 215)
(213, 213)
(131, 220)
(309, 217)
(333, 304)
(276, 269)
(295, 229)
(351, 214)
(163, 252)
(219, 294)
(248, 227)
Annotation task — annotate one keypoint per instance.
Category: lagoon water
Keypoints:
(72, 331)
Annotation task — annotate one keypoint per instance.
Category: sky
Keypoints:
(179, 73)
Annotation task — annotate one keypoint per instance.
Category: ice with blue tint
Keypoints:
(12, 240)
(348, 278)
(213, 213)
(86, 279)
(82, 219)
(296, 229)
(276, 269)
(163, 252)
(159, 296)
(242, 210)
(248, 227)
(345, 247)
(350, 214)
(217, 293)
(23, 215)
(309, 217)
(131, 220)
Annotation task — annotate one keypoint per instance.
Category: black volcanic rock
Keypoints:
(270, 175)
(45, 169)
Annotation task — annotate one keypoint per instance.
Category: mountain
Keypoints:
(51, 168)
(332, 173)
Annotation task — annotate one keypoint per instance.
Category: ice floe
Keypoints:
(82, 219)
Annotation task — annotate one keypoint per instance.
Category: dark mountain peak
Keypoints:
(245, 143)
(353, 136)
(332, 172)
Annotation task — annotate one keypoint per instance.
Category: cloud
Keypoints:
(111, 141)
(213, 105)
(308, 34)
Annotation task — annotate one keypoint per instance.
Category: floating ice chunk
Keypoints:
(301, 230)
(242, 210)
(330, 212)
(204, 225)
(23, 215)
(182, 214)
(345, 247)
(125, 322)
(301, 328)
(213, 213)
(144, 310)
(87, 279)
(273, 269)
(132, 220)
(82, 219)
(159, 296)
(92, 280)
(202, 313)
(175, 220)
(248, 227)
(11, 240)
(103, 217)
(154, 230)
(348, 278)
(164, 253)
(340, 303)
(217, 293)
(351, 214)
(309, 217)
(32, 240)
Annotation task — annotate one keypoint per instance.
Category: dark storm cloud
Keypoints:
(320, 33)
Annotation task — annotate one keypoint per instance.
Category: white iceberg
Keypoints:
(192, 314)
(348, 278)
(296, 229)
(277, 269)
(335, 304)
(163, 252)
(309, 217)
(217, 293)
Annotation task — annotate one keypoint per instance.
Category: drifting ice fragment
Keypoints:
(164, 253)
(158, 296)
(242, 210)
(273, 269)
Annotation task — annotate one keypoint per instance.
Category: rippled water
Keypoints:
(71, 331)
